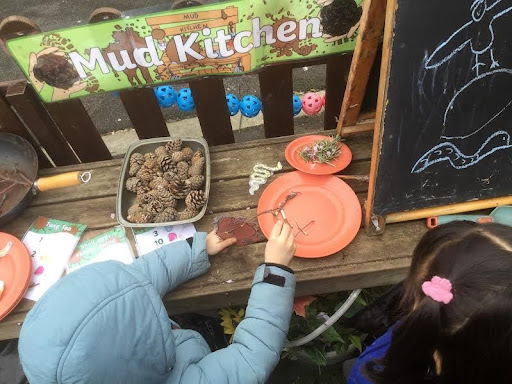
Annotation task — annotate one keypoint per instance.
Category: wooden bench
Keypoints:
(367, 261)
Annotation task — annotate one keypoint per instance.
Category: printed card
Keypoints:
(51, 243)
(149, 239)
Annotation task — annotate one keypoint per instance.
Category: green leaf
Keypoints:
(332, 335)
(317, 356)
(356, 341)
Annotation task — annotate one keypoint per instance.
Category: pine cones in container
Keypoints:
(195, 200)
(168, 183)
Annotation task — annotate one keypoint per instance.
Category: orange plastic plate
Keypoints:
(293, 158)
(15, 272)
(326, 199)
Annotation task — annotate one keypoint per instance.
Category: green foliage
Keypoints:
(336, 338)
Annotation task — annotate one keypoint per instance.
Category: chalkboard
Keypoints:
(446, 126)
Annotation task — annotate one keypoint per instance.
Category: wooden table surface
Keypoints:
(367, 261)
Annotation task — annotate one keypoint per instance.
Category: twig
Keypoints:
(354, 177)
(4, 191)
(298, 226)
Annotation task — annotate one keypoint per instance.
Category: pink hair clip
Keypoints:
(438, 289)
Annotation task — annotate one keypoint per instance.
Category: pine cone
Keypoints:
(150, 163)
(197, 155)
(166, 197)
(195, 200)
(166, 163)
(145, 174)
(170, 176)
(161, 151)
(145, 198)
(187, 214)
(182, 170)
(168, 214)
(173, 146)
(134, 169)
(142, 189)
(188, 153)
(196, 169)
(142, 217)
(196, 182)
(177, 157)
(154, 207)
(133, 183)
(133, 211)
(158, 182)
(149, 156)
(136, 158)
(179, 189)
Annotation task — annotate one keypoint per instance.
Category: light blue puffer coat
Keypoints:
(106, 323)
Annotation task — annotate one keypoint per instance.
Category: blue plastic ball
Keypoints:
(297, 105)
(233, 104)
(165, 95)
(250, 106)
(185, 100)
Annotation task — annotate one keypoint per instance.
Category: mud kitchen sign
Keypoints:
(217, 39)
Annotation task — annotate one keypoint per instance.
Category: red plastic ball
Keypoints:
(312, 103)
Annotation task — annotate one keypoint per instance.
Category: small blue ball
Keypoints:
(185, 100)
(250, 106)
(233, 104)
(165, 95)
(297, 105)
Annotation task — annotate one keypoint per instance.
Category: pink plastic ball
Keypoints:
(311, 103)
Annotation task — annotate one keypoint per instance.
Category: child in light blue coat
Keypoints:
(106, 323)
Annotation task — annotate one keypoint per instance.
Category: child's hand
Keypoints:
(281, 244)
(214, 244)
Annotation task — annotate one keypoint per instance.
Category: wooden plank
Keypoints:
(24, 100)
(368, 40)
(336, 72)
(212, 110)
(10, 123)
(140, 103)
(371, 228)
(79, 130)
(192, 16)
(276, 86)
(225, 166)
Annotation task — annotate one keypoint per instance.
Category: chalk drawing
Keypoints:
(477, 34)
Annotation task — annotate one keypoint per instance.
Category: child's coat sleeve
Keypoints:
(174, 264)
(258, 339)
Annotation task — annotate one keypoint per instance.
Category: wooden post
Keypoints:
(24, 100)
(140, 103)
(368, 40)
(10, 123)
(387, 46)
(276, 86)
(336, 73)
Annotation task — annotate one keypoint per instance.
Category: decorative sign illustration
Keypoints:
(217, 39)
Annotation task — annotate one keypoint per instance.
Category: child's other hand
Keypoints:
(214, 244)
(281, 244)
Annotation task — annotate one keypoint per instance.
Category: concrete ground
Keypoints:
(106, 110)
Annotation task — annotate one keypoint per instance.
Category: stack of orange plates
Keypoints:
(325, 202)
(15, 272)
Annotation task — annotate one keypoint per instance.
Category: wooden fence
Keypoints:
(63, 132)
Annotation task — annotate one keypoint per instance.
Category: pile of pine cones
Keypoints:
(161, 179)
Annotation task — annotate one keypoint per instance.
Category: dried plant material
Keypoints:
(322, 151)
(143, 217)
(177, 157)
(154, 206)
(179, 189)
(166, 164)
(145, 174)
(245, 233)
(182, 170)
(197, 155)
(150, 163)
(168, 214)
(158, 182)
(149, 156)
